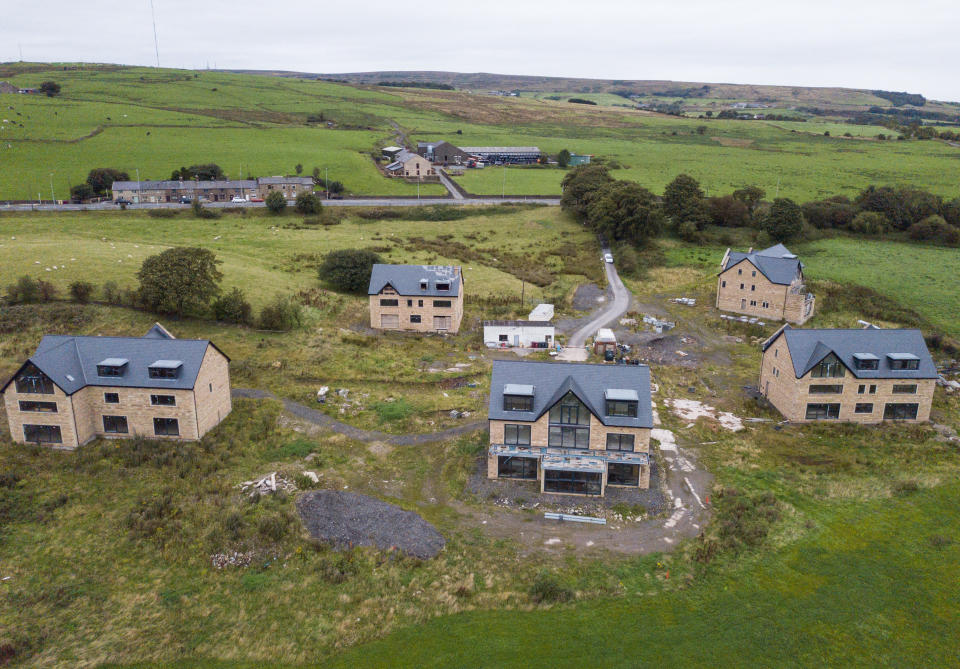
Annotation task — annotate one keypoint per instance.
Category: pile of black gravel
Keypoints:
(346, 519)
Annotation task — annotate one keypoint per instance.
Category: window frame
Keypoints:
(859, 408)
(415, 318)
(33, 406)
(827, 366)
(896, 406)
(32, 381)
(43, 429)
(618, 479)
(110, 371)
(389, 302)
(828, 409)
(527, 469)
(159, 421)
(518, 431)
(576, 483)
(620, 438)
(569, 405)
(630, 408)
(825, 389)
(165, 373)
(575, 437)
(106, 399)
(510, 403)
(155, 401)
(904, 389)
(442, 304)
(107, 430)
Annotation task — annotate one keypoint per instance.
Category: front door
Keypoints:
(743, 304)
(516, 340)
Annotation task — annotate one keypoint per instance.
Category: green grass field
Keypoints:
(159, 120)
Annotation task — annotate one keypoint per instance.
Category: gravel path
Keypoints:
(346, 519)
(322, 419)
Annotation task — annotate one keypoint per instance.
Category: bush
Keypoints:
(233, 308)
(281, 314)
(935, 229)
(80, 291)
(784, 220)
(273, 527)
(276, 202)
(348, 269)
(688, 232)
(199, 211)
(47, 292)
(741, 521)
(112, 293)
(25, 291)
(391, 411)
(307, 203)
(546, 588)
(154, 517)
(870, 223)
(163, 213)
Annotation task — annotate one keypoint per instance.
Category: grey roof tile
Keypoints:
(773, 263)
(405, 279)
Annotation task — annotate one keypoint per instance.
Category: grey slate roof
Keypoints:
(552, 380)
(302, 181)
(500, 149)
(186, 184)
(809, 347)
(71, 361)
(405, 279)
(776, 263)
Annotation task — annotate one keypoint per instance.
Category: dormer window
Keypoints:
(903, 361)
(517, 397)
(112, 367)
(423, 284)
(165, 369)
(621, 402)
(443, 286)
(866, 361)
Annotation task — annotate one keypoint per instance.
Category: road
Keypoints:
(611, 311)
(353, 202)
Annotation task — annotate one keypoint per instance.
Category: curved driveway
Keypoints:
(574, 350)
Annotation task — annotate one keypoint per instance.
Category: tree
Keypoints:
(728, 211)
(204, 172)
(935, 229)
(870, 223)
(50, 88)
(349, 269)
(827, 214)
(276, 202)
(624, 211)
(683, 201)
(580, 184)
(902, 206)
(179, 280)
(701, 130)
(563, 158)
(81, 291)
(334, 187)
(281, 314)
(81, 192)
(24, 291)
(784, 220)
(307, 203)
(299, 168)
(101, 179)
(233, 308)
(750, 196)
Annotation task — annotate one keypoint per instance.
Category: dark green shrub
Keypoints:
(233, 308)
(546, 588)
(348, 269)
(164, 213)
(199, 211)
(307, 203)
(276, 202)
(81, 291)
(112, 293)
(273, 526)
(282, 314)
(25, 291)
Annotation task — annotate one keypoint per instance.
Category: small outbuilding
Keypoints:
(518, 334)
(604, 341)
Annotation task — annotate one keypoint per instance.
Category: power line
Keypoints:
(156, 44)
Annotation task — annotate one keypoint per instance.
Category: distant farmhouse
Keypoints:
(417, 298)
(575, 428)
(74, 389)
(862, 376)
(767, 284)
(443, 153)
(411, 166)
(214, 191)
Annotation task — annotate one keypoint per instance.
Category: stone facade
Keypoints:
(384, 315)
(414, 166)
(743, 289)
(80, 416)
(790, 395)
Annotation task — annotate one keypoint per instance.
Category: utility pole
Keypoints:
(503, 190)
(156, 44)
(139, 189)
(523, 292)
(418, 187)
(53, 198)
(326, 181)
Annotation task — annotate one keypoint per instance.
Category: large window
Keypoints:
(32, 380)
(829, 368)
(622, 474)
(163, 400)
(826, 389)
(863, 407)
(904, 364)
(166, 427)
(516, 435)
(389, 303)
(905, 389)
(900, 411)
(823, 411)
(44, 407)
(621, 408)
(442, 303)
(517, 403)
(42, 434)
(109, 370)
(115, 424)
(569, 411)
(867, 363)
(415, 318)
(581, 483)
(563, 436)
(619, 442)
(516, 468)
(164, 372)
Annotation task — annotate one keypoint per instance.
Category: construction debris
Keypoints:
(267, 485)
(689, 301)
(232, 559)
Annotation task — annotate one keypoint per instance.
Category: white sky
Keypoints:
(853, 43)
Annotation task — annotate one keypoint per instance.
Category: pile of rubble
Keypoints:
(950, 385)
(268, 484)
(232, 559)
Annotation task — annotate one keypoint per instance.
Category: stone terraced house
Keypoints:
(766, 284)
(416, 298)
(575, 428)
(74, 389)
(862, 375)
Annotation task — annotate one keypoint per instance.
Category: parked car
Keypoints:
(256, 199)
(607, 257)
(238, 200)
(121, 200)
(185, 200)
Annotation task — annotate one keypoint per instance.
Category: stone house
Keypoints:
(411, 166)
(291, 187)
(74, 389)
(767, 284)
(174, 190)
(575, 428)
(416, 298)
(860, 375)
(442, 153)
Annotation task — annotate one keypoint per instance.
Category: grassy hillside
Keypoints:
(159, 120)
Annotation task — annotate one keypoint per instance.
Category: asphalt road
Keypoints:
(613, 309)
(357, 202)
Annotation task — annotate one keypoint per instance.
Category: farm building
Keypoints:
(442, 153)
(579, 159)
(7, 87)
(575, 428)
(861, 375)
(518, 334)
(391, 152)
(75, 389)
(418, 298)
(504, 154)
(410, 166)
(766, 284)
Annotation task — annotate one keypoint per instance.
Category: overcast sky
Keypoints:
(869, 44)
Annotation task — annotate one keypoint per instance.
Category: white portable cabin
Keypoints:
(518, 334)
